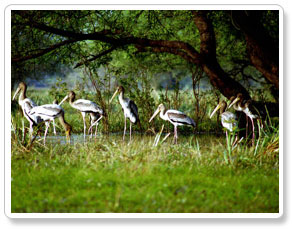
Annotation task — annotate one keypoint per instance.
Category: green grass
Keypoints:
(108, 175)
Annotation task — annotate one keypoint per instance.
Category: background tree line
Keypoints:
(236, 51)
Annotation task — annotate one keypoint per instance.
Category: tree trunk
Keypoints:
(263, 51)
(218, 77)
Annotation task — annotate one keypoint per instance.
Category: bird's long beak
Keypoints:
(216, 109)
(66, 97)
(116, 92)
(18, 89)
(155, 113)
(233, 102)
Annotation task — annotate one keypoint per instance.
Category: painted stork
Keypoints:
(129, 107)
(85, 107)
(47, 113)
(228, 119)
(25, 103)
(175, 117)
(244, 106)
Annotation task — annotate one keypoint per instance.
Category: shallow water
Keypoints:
(75, 138)
(79, 138)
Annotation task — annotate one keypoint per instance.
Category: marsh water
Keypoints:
(79, 138)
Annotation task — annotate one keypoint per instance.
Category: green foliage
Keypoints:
(153, 24)
(59, 90)
(108, 175)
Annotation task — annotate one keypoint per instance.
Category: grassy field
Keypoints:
(200, 174)
(108, 175)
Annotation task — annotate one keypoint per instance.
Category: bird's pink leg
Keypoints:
(54, 127)
(253, 135)
(23, 129)
(175, 134)
(46, 131)
(125, 127)
(235, 140)
(84, 123)
(246, 127)
(91, 131)
(130, 131)
(30, 129)
(95, 130)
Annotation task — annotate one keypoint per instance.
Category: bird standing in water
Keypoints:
(85, 107)
(130, 109)
(26, 104)
(228, 119)
(245, 106)
(175, 117)
(47, 113)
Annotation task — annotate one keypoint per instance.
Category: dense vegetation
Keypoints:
(223, 45)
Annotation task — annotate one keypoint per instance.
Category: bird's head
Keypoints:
(161, 107)
(234, 100)
(21, 87)
(71, 96)
(222, 106)
(247, 103)
(120, 89)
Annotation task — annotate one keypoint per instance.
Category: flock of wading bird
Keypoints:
(49, 112)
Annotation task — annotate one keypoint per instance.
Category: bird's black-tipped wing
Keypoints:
(84, 105)
(181, 118)
(134, 109)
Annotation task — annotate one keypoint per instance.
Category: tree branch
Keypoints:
(42, 51)
(174, 51)
(113, 39)
(96, 57)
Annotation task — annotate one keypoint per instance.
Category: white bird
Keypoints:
(244, 106)
(175, 117)
(85, 106)
(25, 103)
(228, 119)
(130, 109)
(47, 113)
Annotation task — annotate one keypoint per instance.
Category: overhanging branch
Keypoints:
(95, 57)
(42, 51)
(176, 47)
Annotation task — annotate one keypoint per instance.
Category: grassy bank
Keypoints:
(108, 175)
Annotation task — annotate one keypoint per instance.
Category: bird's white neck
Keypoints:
(21, 96)
(163, 115)
(121, 97)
